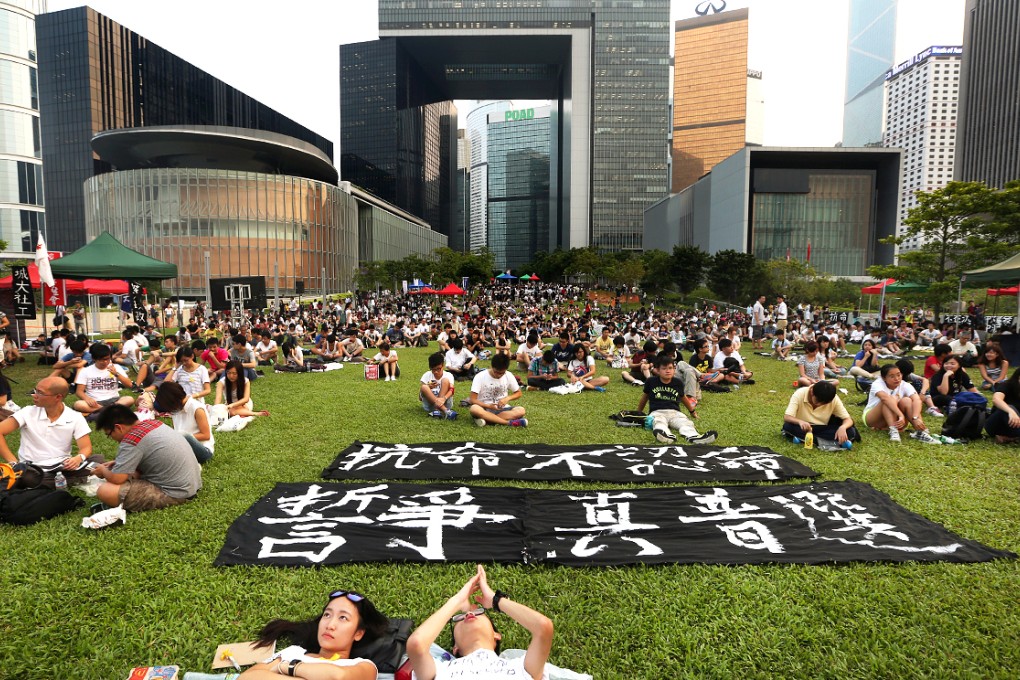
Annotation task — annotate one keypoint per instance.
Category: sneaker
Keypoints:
(706, 438)
(451, 415)
(664, 436)
(932, 411)
(480, 422)
(436, 414)
(638, 383)
(894, 435)
(925, 437)
(519, 422)
(600, 389)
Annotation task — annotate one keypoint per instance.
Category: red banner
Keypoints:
(56, 294)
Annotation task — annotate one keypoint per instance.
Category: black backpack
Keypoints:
(966, 422)
(28, 506)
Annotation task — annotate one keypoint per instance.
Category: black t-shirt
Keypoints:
(664, 395)
(958, 383)
(563, 354)
(703, 365)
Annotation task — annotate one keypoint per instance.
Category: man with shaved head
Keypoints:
(48, 431)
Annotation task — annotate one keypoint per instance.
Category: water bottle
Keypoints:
(847, 445)
(809, 441)
(59, 481)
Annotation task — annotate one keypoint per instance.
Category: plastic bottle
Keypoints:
(59, 481)
(809, 441)
(847, 445)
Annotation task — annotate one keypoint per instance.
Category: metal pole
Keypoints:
(208, 282)
(276, 286)
(323, 287)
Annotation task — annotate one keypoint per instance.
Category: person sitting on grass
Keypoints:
(581, 369)
(866, 361)
(620, 358)
(459, 361)
(951, 379)
(99, 385)
(491, 393)
(1004, 421)
(387, 359)
(640, 367)
(243, 354)
(664, 395)
(811, 366)
(235, 391)
(436, 390)
(328, 349)
(528, 351)
(781, 347)
(155, 466)
(189, 418)
(544, 372)
(828, 354)
(215, 358)
(77, 358)
(893, 404)
(993, 365)
(266, 348)
(48, 430)
(324, 646)
(192, 376)
(476, 640)
(921, 384)
(816, 408)
(737, 372)
(130, 353)
(352, 348)
(604, 345)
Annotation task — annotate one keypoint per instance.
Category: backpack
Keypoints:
(28, 506)
(629, 418)
(20, 476)
(966, 418)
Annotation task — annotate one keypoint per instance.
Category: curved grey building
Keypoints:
(259, 203)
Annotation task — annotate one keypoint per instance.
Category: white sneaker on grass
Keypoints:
(480, 422)
(925, 437)
(706, 438)
(932, 411)
(894, 435)
(664, 436)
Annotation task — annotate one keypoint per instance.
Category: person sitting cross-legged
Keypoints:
(155, 466)
(99, 385)
(492, 391)
(817, 409)
(893, 404)
(436, 390)
(663, 393)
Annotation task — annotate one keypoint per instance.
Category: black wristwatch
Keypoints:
(292, 668)
(495, 600)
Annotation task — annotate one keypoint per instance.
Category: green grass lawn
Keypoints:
(82, 604)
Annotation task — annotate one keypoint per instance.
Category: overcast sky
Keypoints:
(286, 54)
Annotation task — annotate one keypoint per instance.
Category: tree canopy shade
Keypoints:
(107, 258)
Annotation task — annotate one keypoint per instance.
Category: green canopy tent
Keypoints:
(1006, 271)
(107, 258)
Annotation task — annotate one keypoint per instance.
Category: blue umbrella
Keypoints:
(506, 276)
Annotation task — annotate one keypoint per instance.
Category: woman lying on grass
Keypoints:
(322, 646)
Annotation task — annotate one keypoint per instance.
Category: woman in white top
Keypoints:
(192, 376)
(234, 390)
(189, 418)
(324, 646)
(582, 370)
(893, 404)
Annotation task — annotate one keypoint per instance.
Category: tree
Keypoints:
(690, 263)
(627, 271)
(735, 276)
(586, 262)
(795, 279)
(550, 266)
(658, 274)
(963, 226)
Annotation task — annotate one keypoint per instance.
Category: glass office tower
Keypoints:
(871, 46)
(21, 175)
(96, 75)
(604, 62)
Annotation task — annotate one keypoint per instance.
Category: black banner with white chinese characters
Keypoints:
(620, 463)
(24, 298)
(330, 523)
(136, 291)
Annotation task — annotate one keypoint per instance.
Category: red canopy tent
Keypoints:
(451, 289)
(995, 292)
(33, 275)
(878, 288)
(90, 286)
(422, 291)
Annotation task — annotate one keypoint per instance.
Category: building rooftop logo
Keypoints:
(710, 7)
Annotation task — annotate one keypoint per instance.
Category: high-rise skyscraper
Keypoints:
(922, 94)
(871, 52)
(21, 172)
(604, 62)
(717, 100)
(96, 75)
(990, 93)
(478, 135)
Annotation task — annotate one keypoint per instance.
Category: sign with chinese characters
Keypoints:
(137, 293)
(329, 523)
(992, 323)
(621, 463)
(24, 298)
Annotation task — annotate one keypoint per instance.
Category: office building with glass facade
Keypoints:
(604, 62)
(989, 124)
(255, 203)
(477, 129)
(922, 95)
(870, 53)
(717, 101)
(97, 75)
(520, 166)
(22, 214)
(773, 202)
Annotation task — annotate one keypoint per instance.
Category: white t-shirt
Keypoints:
(490, 390)
(579, 368)
(185, 422)
(532, 352)
(194, 381)
(720, 357)
(458, 359)
(436, 386)
(905, 389)
(129, 348)
(99, 383)
(483, 663)
(47, 443)
(266, 347)
(391, 357)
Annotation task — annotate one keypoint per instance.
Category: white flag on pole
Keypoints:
(42, 262)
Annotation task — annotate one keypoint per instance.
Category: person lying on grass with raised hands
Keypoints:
(475, 638)
(323, 646)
